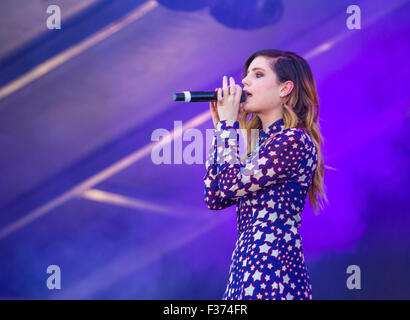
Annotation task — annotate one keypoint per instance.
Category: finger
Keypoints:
(232, 86)
(212, 103)
(219, 94)
(238, 94)
(216, 101)
(225, 86)
(212, 106)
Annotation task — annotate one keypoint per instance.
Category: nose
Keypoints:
(244, 82)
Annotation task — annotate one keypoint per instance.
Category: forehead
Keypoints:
(260, 62)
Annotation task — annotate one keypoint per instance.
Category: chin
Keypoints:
(249, 108)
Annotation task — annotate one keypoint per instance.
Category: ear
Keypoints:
(286, 88)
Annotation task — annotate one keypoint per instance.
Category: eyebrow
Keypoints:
(255, 69)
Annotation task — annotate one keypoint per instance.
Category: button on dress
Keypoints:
(269, 189)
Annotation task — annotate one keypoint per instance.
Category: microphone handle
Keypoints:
(201, 96)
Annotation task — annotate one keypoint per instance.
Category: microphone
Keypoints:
(201, 96)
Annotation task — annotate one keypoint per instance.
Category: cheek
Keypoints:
(271, 93)
(270, 97)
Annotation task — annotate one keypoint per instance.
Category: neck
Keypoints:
(268, 119)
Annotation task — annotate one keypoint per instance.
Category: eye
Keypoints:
(259, 74)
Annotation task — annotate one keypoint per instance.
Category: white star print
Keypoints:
(246, 276)
(271, 204)
(270, 237)
(264, 248)
(273, 217)
(233, 188)
(302, 178)
(246, 179)
(297, 243)
(262, 213)
(270, 172)
(287, 237)
(258, 174)
(208, 182)
(286, 278)
(289, 296)
(249, 166)
(240, 193)
(249, 290)
(257, 275)
(281, 287)
(253, 187)
(289, 221)
(262, 160)
(257, 235)
(275, 253)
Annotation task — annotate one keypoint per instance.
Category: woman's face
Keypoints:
(261, 82)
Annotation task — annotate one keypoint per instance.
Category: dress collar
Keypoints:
(275, 127)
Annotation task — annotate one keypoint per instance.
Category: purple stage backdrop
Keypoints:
(86, 212)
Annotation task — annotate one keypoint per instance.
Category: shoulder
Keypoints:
(295, 137)
(304, 141)
(296, 134)
(286, 140)
(289, 135)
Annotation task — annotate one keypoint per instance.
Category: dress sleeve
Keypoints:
(277, 162)
(214, 198)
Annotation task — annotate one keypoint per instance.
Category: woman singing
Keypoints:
(269, 185)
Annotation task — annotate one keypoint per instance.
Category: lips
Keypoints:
(248, 94)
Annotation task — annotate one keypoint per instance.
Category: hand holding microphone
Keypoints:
(225, 103)
(228, 104)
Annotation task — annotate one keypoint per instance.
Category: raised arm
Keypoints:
(214, 199)
(276, 162)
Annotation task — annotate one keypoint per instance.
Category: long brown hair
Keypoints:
(300, 110)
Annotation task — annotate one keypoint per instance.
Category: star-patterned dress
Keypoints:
(269, 189)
